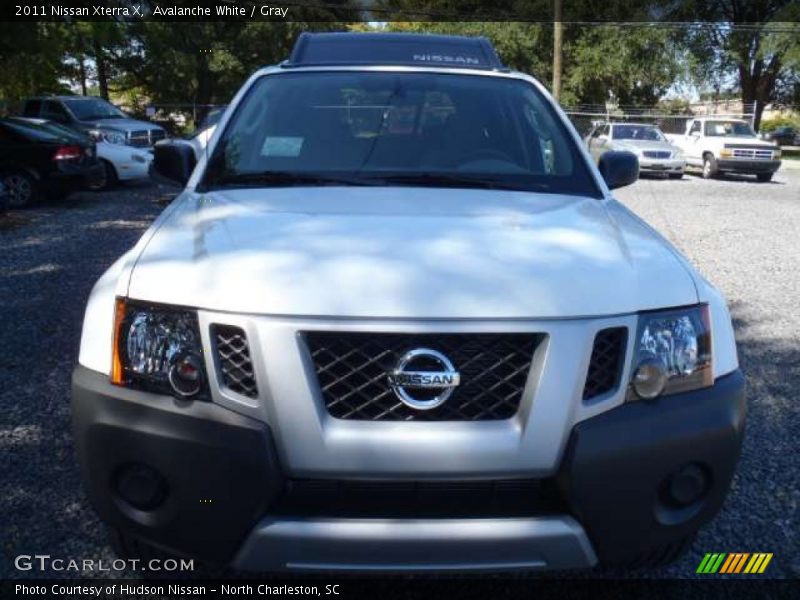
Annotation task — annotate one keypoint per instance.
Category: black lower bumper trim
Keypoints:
(618, 466)
(219, 467)
(748, 166)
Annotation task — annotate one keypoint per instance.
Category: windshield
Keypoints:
(94, 108)
(637, 132)
(729, 129)
(383, 128)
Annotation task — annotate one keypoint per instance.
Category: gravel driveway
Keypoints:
(742, 235)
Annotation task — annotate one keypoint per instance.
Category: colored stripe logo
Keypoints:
(734, 563)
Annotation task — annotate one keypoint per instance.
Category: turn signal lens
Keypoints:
(117, 372)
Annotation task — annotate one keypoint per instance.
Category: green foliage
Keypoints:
(782, 121)
(520, 46)
(637, 65)
(30, 61)
(597, 60)
(675, 106)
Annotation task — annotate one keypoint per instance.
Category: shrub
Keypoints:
(782, 121)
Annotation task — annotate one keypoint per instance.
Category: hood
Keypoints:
(644, 145)
(748, 142)
(407, 253)
(121, 124)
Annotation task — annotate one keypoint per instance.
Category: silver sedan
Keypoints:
(655, 153)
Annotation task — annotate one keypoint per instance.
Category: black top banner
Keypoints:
(780, 13)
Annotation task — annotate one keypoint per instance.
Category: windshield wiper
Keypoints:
(287, 178)
(492, 182)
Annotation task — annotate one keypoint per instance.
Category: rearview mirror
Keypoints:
(173, 162)
(619, 168)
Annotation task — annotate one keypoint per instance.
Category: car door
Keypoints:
(601, 142)
(694, 144)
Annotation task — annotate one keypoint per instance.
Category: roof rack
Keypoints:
(407, 49)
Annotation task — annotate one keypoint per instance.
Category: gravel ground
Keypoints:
(742, 236)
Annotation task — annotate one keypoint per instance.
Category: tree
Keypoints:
(30, 61)
(751, 41)
(597, 59)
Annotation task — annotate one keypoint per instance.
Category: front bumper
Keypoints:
(223, 473)
(737, 165)
(656, 165)
(129, 162)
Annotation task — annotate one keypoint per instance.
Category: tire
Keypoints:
(764, 177)
(22, 189)
(676, 175)
(109, 179)
(710, 169)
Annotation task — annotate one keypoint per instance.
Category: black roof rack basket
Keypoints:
(409, 49)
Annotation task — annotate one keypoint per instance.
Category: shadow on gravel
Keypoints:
(51, 260)
(761, 510)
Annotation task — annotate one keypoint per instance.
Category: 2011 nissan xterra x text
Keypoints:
(397, 321)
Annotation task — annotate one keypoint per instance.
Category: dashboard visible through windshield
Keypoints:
(397, 128)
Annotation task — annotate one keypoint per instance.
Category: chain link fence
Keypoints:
(585, 117)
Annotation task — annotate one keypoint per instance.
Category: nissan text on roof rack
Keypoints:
(396, 321)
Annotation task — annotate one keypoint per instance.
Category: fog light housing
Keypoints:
(688, 485)
(141, 486)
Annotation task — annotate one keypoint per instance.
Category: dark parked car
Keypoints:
(37, 160)
(784, 136)
(3, 197)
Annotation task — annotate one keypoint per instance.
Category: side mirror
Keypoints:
(173, 162)
(619, 168)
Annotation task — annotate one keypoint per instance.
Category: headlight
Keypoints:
(726, 152)
(677, 152)
(158, 349)
(673, 353)
(108, 135)
(776, 153)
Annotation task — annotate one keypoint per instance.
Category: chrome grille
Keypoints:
(352, 372)
(752, 153)
(144, 138)
(139, 139)
(657, 153)
(605, 366)
(233, 360)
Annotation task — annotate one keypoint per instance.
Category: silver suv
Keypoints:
(397, 321)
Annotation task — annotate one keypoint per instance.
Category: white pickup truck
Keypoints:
(723, 145)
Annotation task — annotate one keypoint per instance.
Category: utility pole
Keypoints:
(558, 34)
